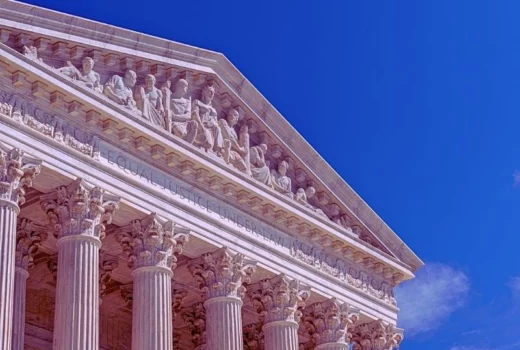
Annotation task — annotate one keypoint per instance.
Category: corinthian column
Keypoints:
(16, 171)
(151, 245)
(330, 324)
(28, 239)
(78, 213)
(220, 276)
(278, 301)
(376, 336)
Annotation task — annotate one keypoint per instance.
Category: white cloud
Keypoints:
(429, 299)
(516, 178)
(512, 346)
(468, 348)
(514, 284)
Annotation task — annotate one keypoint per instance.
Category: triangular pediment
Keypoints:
(44, 46)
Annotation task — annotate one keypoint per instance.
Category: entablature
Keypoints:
(107, 122)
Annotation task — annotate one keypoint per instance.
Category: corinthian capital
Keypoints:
(221, 274)
(29, 237)
(152, 241)
(279, 298)
(330, 321)
(79, 209)
(377, 336)
(17, 170)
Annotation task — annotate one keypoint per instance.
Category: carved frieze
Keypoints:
(254, 337)
(194, 317)
(341, 269)
(213, 121)
(19, 109)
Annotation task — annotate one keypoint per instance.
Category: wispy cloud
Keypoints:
(516, 178)
(468, 348)
(514, 284)
(429, 299)
(511, 346)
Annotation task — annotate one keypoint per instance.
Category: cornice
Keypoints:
(31, 18)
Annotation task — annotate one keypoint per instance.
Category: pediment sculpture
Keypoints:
(195, 119)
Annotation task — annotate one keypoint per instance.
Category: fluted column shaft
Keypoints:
(224, 323)
(20, 290)
(76, 321)
(152, 309)
(281, 335)
(8, 214)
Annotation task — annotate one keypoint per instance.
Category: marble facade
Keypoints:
(151, 198)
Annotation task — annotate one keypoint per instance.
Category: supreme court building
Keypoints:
(152, 199)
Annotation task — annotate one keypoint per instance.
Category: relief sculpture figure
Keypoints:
(119, 89)
(209, 135)
(259, 167)
(303, 196)
(235, 147)
(178, 111)
(281, 182)
(88, 77)
(150, 102)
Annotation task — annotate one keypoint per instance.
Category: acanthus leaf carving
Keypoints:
(152, 241)
(376, 335)
(253, 337)
(195, 318)
(17, 170)
(279, 299)
(79, 209)
(222, 274)
(29, 237)
(107, 264)
(330, 321)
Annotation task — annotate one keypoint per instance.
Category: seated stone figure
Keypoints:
(280, 181)
(259, 168)
(303, 196)
(209, 135)
(120, 90)
(88, 77)
(178, 111)
(150, 102)
(235, 147)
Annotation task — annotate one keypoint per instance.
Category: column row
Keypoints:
(78, 214)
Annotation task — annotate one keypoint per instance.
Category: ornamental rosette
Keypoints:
(79, 209)
(17, 170)
(29, 237)
(330, 321)
(377, 336)
(279, 299)
(221, 274)
(152, 241)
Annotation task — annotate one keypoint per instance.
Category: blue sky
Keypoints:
(416, 104)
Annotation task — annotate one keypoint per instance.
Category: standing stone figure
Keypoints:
(235, 147)
(209, 135)
(119, 89)
(88, 77)
(281, 182)
(178, 111)
(259, 168)
(150, 102)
